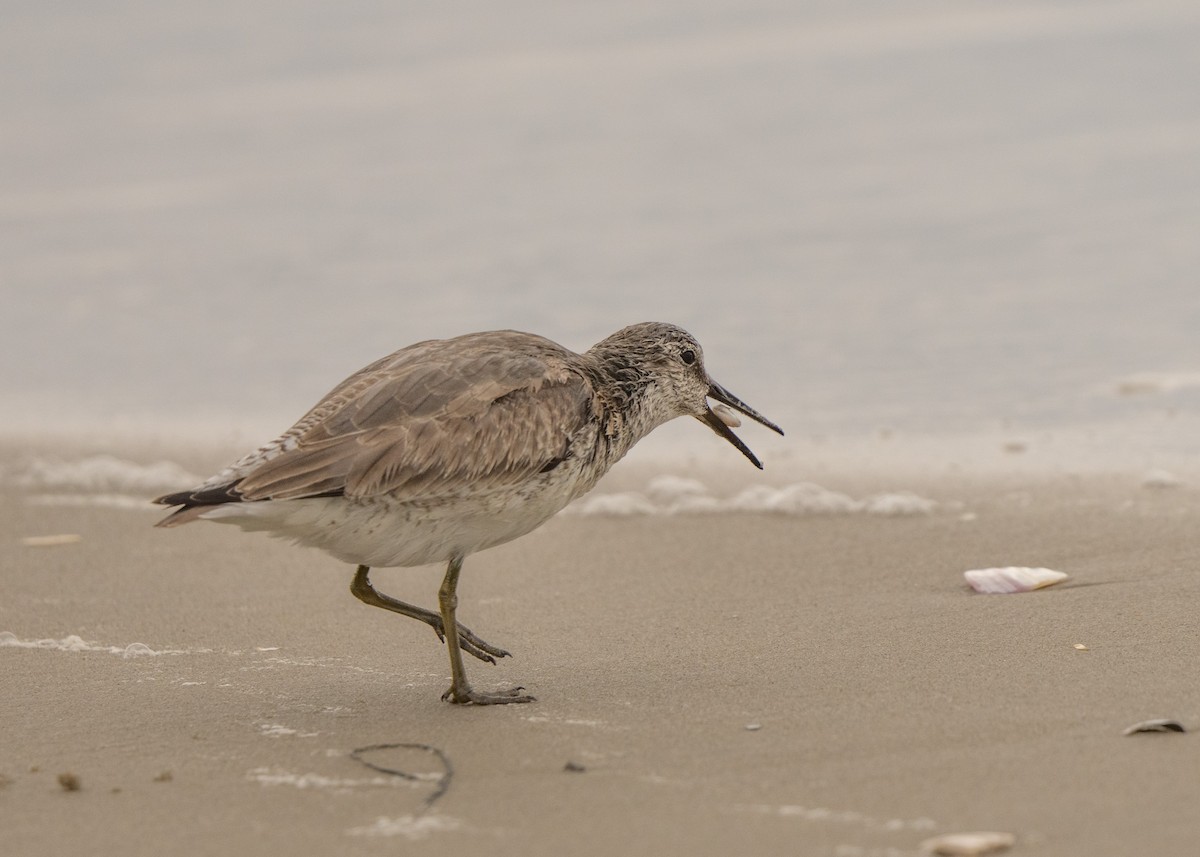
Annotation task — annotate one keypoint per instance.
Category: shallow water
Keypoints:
(940, 218)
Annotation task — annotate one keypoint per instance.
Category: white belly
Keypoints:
(382, 533)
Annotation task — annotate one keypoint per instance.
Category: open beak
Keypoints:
(721, 427)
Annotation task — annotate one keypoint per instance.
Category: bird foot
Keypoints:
(466, 695)
(481, 649)
(472, 644)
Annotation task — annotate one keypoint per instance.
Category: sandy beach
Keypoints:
(819, 684)
(950, 248)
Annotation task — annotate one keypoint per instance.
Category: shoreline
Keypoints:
(1130, 447)
(822, 682)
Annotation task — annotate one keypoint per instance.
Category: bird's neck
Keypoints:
(628, 398)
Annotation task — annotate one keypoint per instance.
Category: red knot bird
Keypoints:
(451, 446)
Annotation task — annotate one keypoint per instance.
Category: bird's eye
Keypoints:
(688, 356)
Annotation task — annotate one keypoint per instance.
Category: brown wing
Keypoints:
(479, 412)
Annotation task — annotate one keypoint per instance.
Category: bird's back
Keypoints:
(477, 413)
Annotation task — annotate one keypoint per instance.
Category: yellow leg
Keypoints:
(460, 691)
(471, 644)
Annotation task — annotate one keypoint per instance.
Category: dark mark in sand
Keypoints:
(443, 781)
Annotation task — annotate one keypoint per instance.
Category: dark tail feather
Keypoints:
(206, 496)
(198, 500)
(195, 502)
(184, 515)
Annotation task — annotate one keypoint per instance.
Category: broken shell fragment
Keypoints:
(726, 416)
(1160, 725)
(968, 844)
(51, 541)
(1003, 581)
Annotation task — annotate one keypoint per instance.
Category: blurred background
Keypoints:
(925, 217)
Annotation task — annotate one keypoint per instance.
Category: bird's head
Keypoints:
(668, 363)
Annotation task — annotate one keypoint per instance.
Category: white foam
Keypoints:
(1161, 479)
(74, 643)
(669, 495)
(408, 826)
(621, 504)
(567, 721)
(666, 490)
(901, 503)
(842, 817)
(1145, 383)
(101, 473)
(275, 777)
(798, 498)
(278, 730)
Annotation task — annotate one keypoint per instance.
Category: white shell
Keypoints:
(1160, 725)
(727, 416)
(967, 844)
(1002, 581)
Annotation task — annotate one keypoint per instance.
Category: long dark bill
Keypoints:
(716, 391)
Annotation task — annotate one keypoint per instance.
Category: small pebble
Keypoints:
(574, 767)
(753, 727)
(164, 777)
(1081, 647)
(69, 782)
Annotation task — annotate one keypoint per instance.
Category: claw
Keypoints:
(477, 652)
(472, 645)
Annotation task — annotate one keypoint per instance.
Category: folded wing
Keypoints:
(479, 412)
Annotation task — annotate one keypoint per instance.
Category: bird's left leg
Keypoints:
(460, 690)
(471, 644)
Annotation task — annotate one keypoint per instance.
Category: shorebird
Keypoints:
(451, 446)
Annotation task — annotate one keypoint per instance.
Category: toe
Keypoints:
(470, 696)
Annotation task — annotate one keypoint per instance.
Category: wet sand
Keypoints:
(819, 685)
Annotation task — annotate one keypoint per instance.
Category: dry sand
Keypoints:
(891, 703)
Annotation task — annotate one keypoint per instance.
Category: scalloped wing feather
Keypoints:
(426, 421)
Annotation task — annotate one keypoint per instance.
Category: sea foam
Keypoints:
(408, 826)
(275, 777)
(97, 480)
(100, 473)
(1148, 383)
(673, 495)
(74, 643)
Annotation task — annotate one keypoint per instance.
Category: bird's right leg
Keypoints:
(471, 644)
(461, 692)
